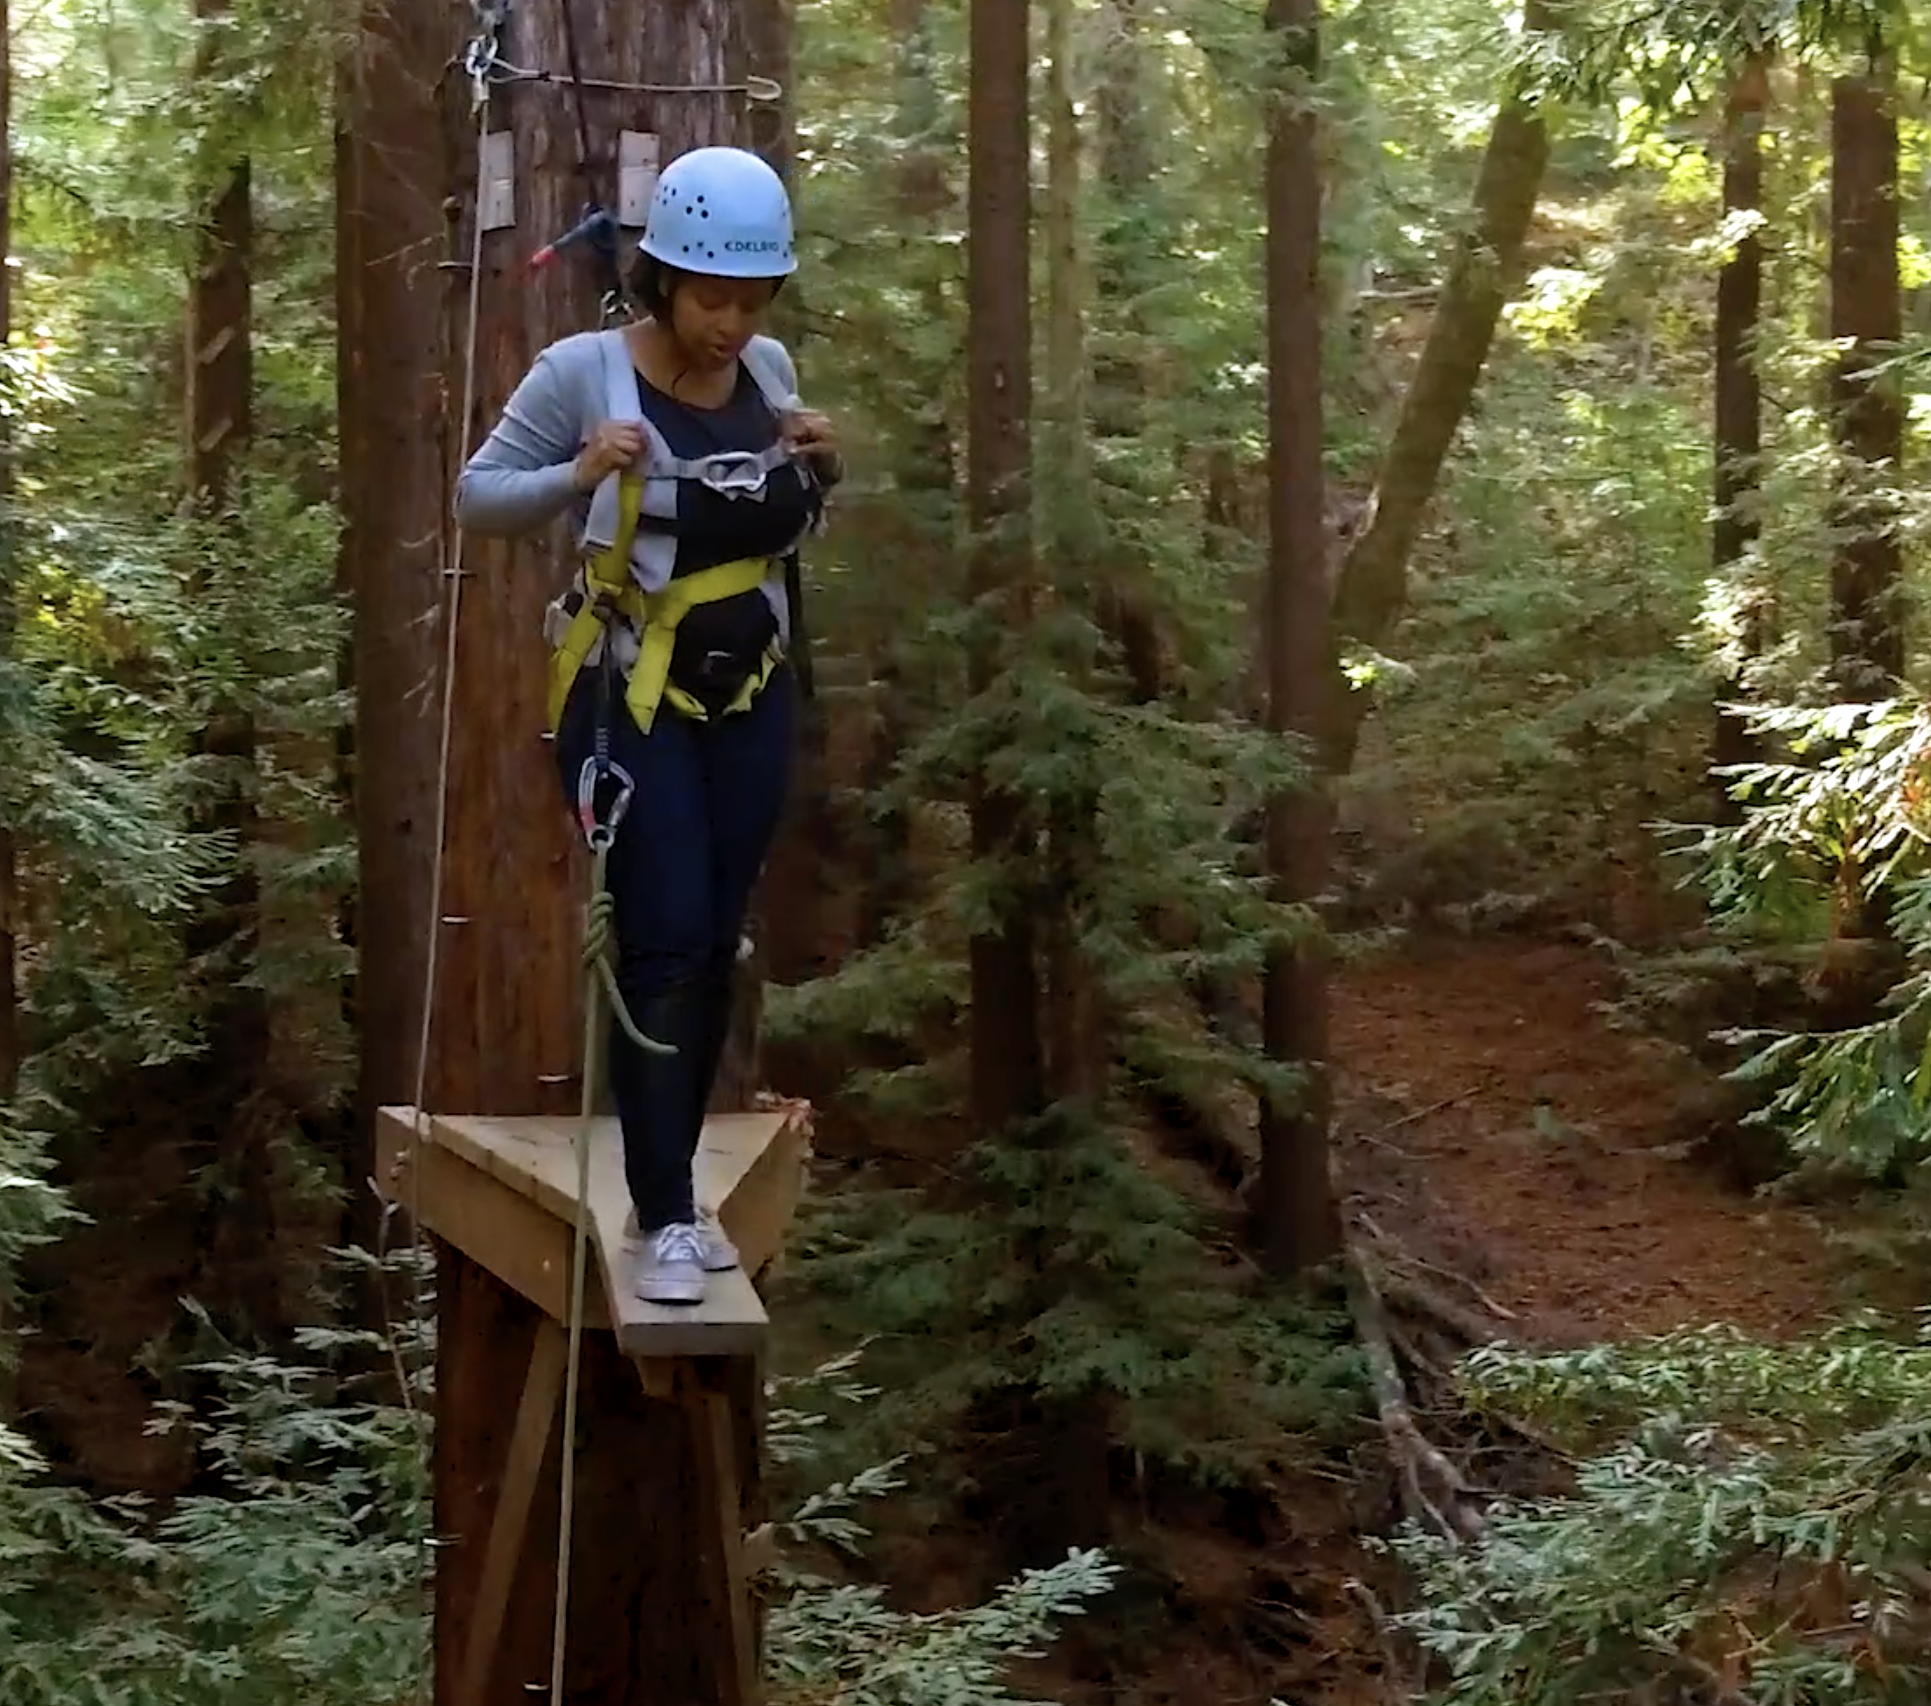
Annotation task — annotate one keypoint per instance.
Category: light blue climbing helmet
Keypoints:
(721, 211)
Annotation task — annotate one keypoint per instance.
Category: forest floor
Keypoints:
(1495, 1123)
(1496, 1128)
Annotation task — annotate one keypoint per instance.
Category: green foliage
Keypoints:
(827, 1638)
(301, 1577)
(136, 628)
(1057, 1266)
(297, 1580)
(1749, 1519)
(1835, 826)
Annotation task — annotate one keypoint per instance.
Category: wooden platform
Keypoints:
(503, 1191)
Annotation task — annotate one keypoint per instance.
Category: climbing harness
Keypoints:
(584, 625)
(611, 592)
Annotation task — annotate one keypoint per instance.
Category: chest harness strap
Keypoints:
(610, 592)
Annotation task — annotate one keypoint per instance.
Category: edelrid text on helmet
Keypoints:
(721, 211)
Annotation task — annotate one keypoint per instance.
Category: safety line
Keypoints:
(453, 576)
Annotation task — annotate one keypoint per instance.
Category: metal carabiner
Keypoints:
(599, 831)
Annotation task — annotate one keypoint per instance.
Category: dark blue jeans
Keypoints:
(681, 871)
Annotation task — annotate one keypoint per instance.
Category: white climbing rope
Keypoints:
(432, 961)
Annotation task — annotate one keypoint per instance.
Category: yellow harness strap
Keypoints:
(613, 593)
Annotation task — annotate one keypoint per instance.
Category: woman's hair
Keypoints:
(652, 283)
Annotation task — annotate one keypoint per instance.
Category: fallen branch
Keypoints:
(1202, 1134)
(1420, 1114)
(1447, 1506)
(1410, 1291)
(1406, 1257)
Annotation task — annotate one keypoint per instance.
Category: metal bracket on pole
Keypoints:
(638, 153)
(498, 208)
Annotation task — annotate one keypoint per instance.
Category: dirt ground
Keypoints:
(1493, 1121)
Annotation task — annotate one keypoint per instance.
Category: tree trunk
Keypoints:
(1739, 425)
(1372, 587)
(1006, 1069)
(1066, 462)
(1867, 617)
(507, 1030)
(1297, 1215)
(1125, 274)
(926, 474)
(9, 853)
(390, 236)
(223, 937)
(1075, 1031)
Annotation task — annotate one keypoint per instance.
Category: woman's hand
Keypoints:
(811, 435)
(609, 450)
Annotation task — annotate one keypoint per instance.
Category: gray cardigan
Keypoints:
(524, 474)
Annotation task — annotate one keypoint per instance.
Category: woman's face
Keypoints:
(714, 318)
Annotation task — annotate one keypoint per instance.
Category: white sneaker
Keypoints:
(671, 1266)
(720, 1254)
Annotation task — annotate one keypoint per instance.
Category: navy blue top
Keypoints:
(710, 527)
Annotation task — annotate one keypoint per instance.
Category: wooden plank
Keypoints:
(526, 1248)
(504, 1191)
(762, 1202)
(536, 1418)
(540, 1155)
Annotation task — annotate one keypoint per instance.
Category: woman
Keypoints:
(691, 470)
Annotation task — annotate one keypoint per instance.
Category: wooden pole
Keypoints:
(507, 1032)
(667, 1455)
(390, 236)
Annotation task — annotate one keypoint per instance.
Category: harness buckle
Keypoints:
(735, 474)
(600, 829)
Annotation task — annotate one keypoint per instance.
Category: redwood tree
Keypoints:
(1296, 1208)
(1739, 412)
(9, 854)
(1867, 619)
(1006, 1064)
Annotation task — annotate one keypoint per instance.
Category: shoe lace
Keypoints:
(677, 1243)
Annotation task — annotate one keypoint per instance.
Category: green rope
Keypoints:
(599, 934)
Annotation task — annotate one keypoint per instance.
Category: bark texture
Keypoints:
(391, 238)
(1296, 1205)
(1006, 1066)
(9, 853)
